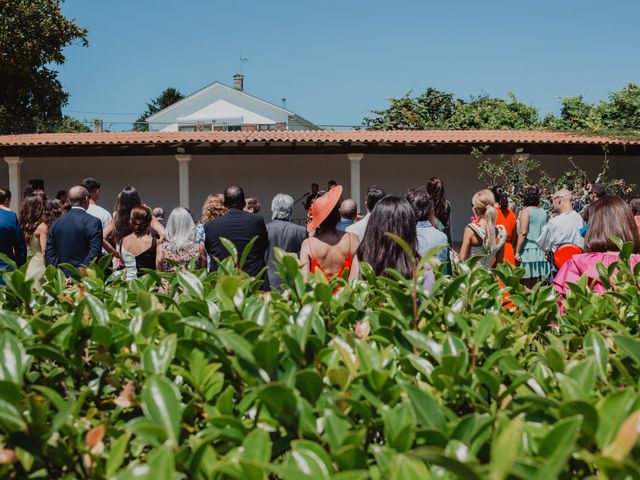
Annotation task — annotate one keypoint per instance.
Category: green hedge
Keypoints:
(201, 376)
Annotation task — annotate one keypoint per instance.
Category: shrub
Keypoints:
(199, 375)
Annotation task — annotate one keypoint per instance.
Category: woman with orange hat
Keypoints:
(329, 251)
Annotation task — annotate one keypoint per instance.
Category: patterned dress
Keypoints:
(182, 257)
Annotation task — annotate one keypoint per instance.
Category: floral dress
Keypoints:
(182, 257)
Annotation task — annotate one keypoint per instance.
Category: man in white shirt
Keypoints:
(564, 227)
(93, 187)
(374, 194)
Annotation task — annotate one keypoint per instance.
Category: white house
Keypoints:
(218, 107)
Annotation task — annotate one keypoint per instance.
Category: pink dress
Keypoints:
(585, 264)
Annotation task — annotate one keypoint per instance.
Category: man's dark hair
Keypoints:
(234, 197)
(5, 195)
(598, 189)
(91, 184)
(374, 195)
(420, 201)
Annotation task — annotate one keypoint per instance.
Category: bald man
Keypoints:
(564, 227)
(348, 213)
(75, 238)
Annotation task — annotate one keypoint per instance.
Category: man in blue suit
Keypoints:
(239, 227)
(12, 242)
(75, 238)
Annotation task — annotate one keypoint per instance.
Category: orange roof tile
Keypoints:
(322, 136)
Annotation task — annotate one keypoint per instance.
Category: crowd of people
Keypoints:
(72, 230)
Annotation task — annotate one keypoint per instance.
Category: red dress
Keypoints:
(511, 225)
(346, 265)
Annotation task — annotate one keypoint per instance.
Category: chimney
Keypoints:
(97, 125)
(238, 81)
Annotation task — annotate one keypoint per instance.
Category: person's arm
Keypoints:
(51, 255)
(108, 230)
(523, 229)
(42, 231)
(159, 258)
(95, 241)
(500, 255)
(202, 258)
(543, 239)
(465, 249)
(159, 228)
(305, 255)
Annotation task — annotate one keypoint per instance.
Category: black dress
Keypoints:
(147, 259)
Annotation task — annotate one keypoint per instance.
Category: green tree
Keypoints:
(70, 125)
(432, 109)
(437, 109)
(168, 97)
(33, 34)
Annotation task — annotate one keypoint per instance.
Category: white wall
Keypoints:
(263, 176)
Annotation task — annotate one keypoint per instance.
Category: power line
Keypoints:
(102, 113)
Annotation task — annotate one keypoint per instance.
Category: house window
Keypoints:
(186, 128)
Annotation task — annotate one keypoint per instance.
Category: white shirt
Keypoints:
(99, 212)
(359, 227)
(563, 228)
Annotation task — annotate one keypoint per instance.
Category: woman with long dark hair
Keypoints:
(507, 219)
(392, 214)
(441, 206)
(329, 250)
(32, 220)
(608, 217)
(120, 226)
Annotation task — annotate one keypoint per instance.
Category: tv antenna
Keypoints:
(243, 60)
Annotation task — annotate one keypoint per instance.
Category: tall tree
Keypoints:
(168, 97)
(33, 34)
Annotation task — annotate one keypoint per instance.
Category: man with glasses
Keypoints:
(564, 227)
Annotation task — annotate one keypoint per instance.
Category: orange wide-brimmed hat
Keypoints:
(322, 207)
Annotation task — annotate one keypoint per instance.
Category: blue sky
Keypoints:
(335, 60)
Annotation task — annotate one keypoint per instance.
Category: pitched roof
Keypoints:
(206, 89)
(316, 136)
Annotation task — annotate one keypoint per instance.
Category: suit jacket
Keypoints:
(239, 227)
(75, 238)
(287, 236)
(12, 242)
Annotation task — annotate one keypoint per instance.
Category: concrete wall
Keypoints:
(263, 176)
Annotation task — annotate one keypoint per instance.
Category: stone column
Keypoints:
(14, 180)
(354, 159)
(183, 178)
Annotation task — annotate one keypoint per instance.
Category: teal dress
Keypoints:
(534, 261)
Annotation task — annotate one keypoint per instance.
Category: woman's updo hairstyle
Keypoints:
(502, 199)
(531, 196)
(140, 219)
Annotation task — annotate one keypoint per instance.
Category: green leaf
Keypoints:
(13, 359)
(190, 283)
(117, 453)
(307, 460)
(557, 446)
(280, 401)
(405, 467)
(505, 449)
(595, 345)
(428, 412)
(97, 309)
(161, 405)
(335, 429)
(157, 358)
(399, 426)
(257, 446)
(629, 346)
(10, 418)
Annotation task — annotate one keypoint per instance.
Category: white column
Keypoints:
(354, 159)
(14, 180)
(183, 178)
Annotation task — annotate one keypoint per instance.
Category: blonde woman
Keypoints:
(483, 237)
(213, 207)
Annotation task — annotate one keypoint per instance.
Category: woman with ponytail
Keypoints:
(138, 249)
(483, 237)
(531, 221)
(507, 219)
